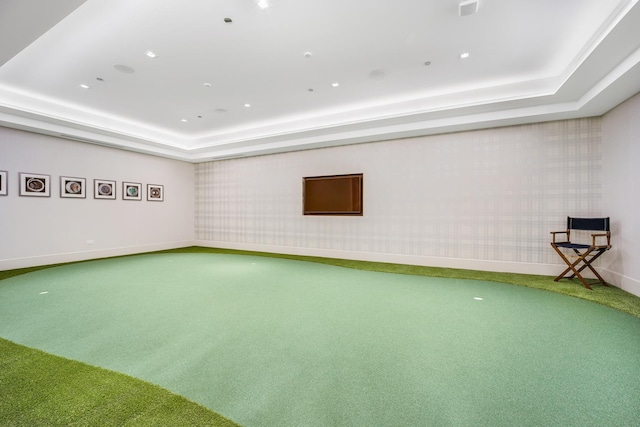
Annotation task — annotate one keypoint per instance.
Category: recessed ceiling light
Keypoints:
(335, 84)
(427, 63)
(151, 54)
(310, 90)
(464, 55)
(228, 20)
(308, 54)
(377, 74)
(184, 120)
(124, 68)
(263, 4)
(83, 86)
(247, 105)
(100, 79)
(207, 85)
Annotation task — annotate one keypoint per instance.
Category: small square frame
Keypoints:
(155, 193)
(73, 188)
(104, 189)
(3, 183)
(131, 191)
(35, 185)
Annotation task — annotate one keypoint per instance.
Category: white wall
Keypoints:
(480, 199)
(621, 190)
(36, 231)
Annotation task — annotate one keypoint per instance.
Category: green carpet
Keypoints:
(267, 341)
(609, 296)
(62, 392)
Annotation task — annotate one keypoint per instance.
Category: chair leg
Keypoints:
(566, 261)
(587, 263)
(582, 258)
(571, 267)
(577, 274)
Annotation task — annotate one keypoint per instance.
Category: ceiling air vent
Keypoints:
(468, 7)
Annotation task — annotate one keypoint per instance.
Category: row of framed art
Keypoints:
(39, 185)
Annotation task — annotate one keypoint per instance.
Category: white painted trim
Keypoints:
(621, 281)
(616, 279)
(461, 263)
(13, 263)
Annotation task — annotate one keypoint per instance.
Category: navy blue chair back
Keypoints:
(588, 224)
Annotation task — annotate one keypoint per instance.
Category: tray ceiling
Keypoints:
(202, 80)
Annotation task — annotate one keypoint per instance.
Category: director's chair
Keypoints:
(584, 254)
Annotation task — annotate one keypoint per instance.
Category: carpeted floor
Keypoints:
(40, 389)
(266, 341)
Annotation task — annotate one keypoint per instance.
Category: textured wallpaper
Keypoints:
(621, 183)
(487, 195)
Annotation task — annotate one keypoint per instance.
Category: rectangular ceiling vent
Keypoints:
(468, 7)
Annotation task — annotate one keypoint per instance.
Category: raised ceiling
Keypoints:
(303, 74)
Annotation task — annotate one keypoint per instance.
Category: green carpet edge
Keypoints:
(40, 388)
(609, 296)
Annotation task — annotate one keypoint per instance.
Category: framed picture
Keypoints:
(3, 183)
(35, 185)
(131, 191)
(155, 193)
(104, 189)
(72, 187)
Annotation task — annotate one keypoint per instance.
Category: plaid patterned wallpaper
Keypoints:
(487, 195)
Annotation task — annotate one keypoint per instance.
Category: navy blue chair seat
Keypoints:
(572, 246)
(585, 254)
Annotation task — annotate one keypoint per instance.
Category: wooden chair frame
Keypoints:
(585, 254)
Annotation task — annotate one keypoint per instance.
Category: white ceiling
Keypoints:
(529, 61)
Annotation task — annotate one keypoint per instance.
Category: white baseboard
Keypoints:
(466, 264)
(616, 279)
(621, 281)
(13, 263)
(624, 282)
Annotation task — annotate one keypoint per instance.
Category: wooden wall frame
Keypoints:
(333, 195)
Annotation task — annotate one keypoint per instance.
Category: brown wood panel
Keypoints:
(333, 195)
